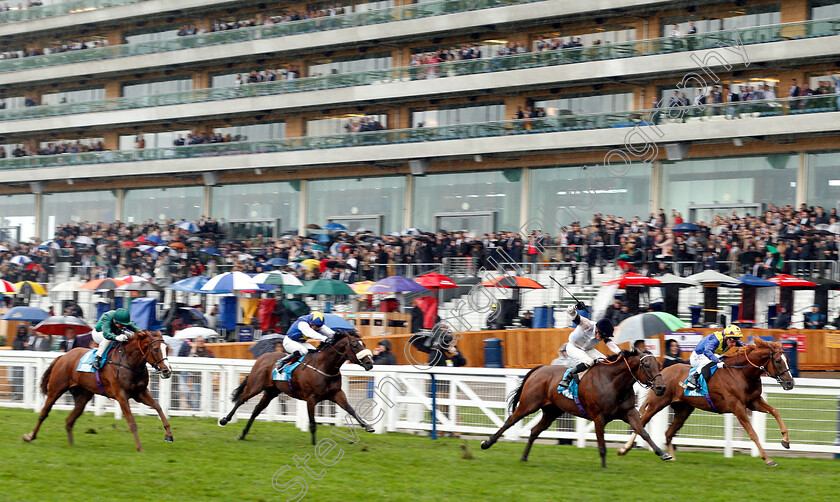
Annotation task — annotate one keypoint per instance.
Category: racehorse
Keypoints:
(605, 393)
(124, 376)
(316, 379)
(735, 388)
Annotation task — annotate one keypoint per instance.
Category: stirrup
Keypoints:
(97, 363)
(565, 383)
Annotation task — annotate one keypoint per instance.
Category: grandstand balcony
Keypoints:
(785, 118)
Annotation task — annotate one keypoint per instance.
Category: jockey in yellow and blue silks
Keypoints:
(310, 326)
(110, 328)
(706, 354)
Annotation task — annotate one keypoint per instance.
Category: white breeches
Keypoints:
(291, 346)
(103, 342)
(579, 355)
(698, 360)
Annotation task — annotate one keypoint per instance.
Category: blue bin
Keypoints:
(493, 353)
(696, 312)
(789, 347)
(543, 318)
(734, 311)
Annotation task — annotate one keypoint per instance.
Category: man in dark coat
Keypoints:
(382, 354)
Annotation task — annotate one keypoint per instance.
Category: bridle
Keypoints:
(152, 343)
(359, 355)
(777, 376)
(650, 380)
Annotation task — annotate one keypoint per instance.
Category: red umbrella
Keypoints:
(34, 266)
(513, 282)
(142, 239)
(7, 287)
(128, 244)
(631, 279)
(789, 281)
(57, 325)
(98, 284)
(433, 280)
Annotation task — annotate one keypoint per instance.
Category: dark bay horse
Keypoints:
(605, 392)
(316, 379)
(125, 376)
(735, 388)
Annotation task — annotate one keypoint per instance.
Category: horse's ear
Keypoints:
(760, 342)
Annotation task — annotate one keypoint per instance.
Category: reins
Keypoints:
(621, 357)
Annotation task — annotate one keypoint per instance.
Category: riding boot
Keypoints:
(288, 358)
(692, 382)
(707, 371)
(97, 363)
(567, 379)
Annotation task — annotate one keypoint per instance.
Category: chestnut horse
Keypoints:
(124, 376)
(605, 393)
(316, 379)
(735, 388)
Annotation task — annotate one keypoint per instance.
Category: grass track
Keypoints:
(206, 462)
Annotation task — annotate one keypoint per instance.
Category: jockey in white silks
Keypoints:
(582, 342)
(310, 326)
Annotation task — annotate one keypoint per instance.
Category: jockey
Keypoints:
(305, 327)
(582, 342)
(706, 353)
(109, 328)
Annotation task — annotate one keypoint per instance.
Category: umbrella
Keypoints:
(337, 322)
(194, 332)
(361, 287)
(277, 262)
(230, 282)
(265, 344)
(7, 287)
(317, 247)
(513, 282)
(313, 226)
(3, 248)
(311, 264)
(789, 281)
(244, 256)
(711, 276)
(672, 284)
(685, 227)
(49, 245)
(84, 240)
(174, 344)
(29, 287)
(751, 280)
(140, 286)
(433, 280)
(325, 287)
(33, 266)
(178, 245)
(188, 226)
(28, 314)
(749, 256)
(132, 278)
(21, 260)
(646, 325)
(411, 231)
(195, 238)
(277, 278)
(103, 284)
(394, 284)
(631, 279)
(70, 286)
(58, 324)
(334, 226)
(155, 239)
(211, 251)
(675, 280)
(128, 244)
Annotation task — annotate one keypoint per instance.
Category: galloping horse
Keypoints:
(125, 376)
(733, 389)
(316, 379)
(605, 393)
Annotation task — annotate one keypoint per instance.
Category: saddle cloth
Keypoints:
(86, 361)
(703, 390)
(572, 391)
(285, 374)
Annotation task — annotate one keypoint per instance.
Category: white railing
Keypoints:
(468, 401)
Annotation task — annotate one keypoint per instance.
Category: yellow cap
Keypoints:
(733, 331)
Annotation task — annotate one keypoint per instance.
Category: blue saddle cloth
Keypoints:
(285, 374)
(703, 390)
(572, 391)
(86, 361)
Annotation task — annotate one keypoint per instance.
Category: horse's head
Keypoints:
(153, 348)
(350, 344)
(773, 361)
(647, 370)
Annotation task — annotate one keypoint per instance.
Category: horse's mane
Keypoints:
(625, 353)
(339, 334)
(757, 344)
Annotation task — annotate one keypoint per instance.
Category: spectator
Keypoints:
(527, 320)
(382, 354)
(672, 354)
(782, 320)
(199, 348)
(562, 358)
(814, 319)
(38, 342)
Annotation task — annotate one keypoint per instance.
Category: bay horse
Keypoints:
(735, 388)
(124, 376)
(317, 378)
(605, 393)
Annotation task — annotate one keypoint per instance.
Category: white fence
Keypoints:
(468, 401)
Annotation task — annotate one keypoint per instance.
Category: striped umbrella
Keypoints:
(513, 282)
(103, 284)
(646, 325)
(21, 260)
(132, 278)
(361, 287)
(32, 287)
(230, 282)
(7, 287)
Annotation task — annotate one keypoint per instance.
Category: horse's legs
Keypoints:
(52, 397)
(522, 410)
(147, 399)
(269, 394)
(763, 406)
(126, 409)
(681, 413)
(650, 407)
(247, 394)
(340, 398)
(635, 421)
(550, 414)
(310, 407)
(82, 400)
(740, 411)
(602, 444)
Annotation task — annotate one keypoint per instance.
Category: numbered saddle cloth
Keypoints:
(285, 374)
(86, 362)
(703, 389)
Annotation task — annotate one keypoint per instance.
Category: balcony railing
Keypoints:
(723, 111)
(59, 9)
(441, 70)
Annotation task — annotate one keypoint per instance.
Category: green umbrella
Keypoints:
(773, 250)
(317, 247)
(647, 325)
(325, 287)
(295, 290)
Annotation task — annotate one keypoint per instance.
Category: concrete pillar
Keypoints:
(119, 211)
(512, 103)
(655, 186)
(111, 140)
(113, 89)
(525, 201)
(802, 179)
(295, 126)
(40, 228)
(207, 205)
(303, 209)
(794, 10)
(408, 207)
(115, 37)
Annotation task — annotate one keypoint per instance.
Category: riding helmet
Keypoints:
(317, 319)
(122, 316)
(732, 331)
(605, 327)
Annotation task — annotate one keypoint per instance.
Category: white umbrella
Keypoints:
(675, 279)
(712, 276)
(286, 278)
(83, 239)
(230, 282)
(132, 278)
(71, 286)
(194, 332)
(21, 260)
(174, 344)
(245, 256)
(50, 244)
(3, 248)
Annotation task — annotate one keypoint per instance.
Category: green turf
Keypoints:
(206, 462)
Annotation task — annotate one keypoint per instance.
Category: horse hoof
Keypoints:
(240, 438)
(28, 438)
(485, 445)
(140, 448)
(771, 463)
(666, 457)
(622, 451)
(369, 428)
(168, 438)
(223, 422)
(786, 444)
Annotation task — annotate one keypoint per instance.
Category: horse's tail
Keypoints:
(515, 395)
(239, 390)
(45, 379)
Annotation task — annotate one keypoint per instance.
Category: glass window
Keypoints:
(65, 207)
(351, 64)
(18, 217)
(579, 104)
(735, 180)
(825, 9)
(151, 139)
(151, 37)
(161, 204)
(495, 192)
(562, 195)
(444, 116)
(609, 35)
(226, 80)
(253, 132)
(258, 201)
(13, 102)
(79, 96)
(382, 198)
(707, 22)
(347, 123)
(57, 146)
(824, 180)
(769, 86)
(160, 87)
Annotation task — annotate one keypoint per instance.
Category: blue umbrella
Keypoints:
(28, 314)
(277, 262)
(751, 280)
(188, 226)
(211, 251)
(334, 226)
(229, 282)
(191, 285)
(394, 284)
(155, 239)
(685, 227)
(337, 322)
(323, 238)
